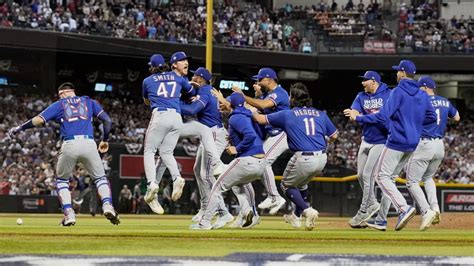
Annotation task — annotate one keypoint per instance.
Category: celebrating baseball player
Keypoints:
(273, 99)
(306, 128)
(406, 109)
(75, 115)
(424, 162)
(205, 107)
(374, 136)
(248, 166)
(162, 91)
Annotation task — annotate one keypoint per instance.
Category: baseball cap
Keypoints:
(427, 81)
(202, 72)
(265, 73)
(237, 99)
(407, 66)
(372, 75)
(156, 60)
(178, 56)
(66, 84)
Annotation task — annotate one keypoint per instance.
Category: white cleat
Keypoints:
(267, 203)
(250, 220)
(311, 216)
(427, 219)
(223, 220)
(151, 192)
(219, 169)
(110, 214)
(201, 226)
(197, 217)
(279, 203)
(437, 218)
(178, 186)
(69, 217)
(292, 219)
(238, 222)
(155, 206)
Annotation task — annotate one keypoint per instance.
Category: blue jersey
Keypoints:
(74, 114)
(306, 128)
(406, 110)
(282, 102)
(443, 109)
(243, 134)
(164, 90)
(367, 103)
(206, 108)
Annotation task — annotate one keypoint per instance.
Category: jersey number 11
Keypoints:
(310, 126)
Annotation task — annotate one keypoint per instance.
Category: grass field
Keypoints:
(169, 236)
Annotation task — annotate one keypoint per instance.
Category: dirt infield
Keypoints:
(448, 221)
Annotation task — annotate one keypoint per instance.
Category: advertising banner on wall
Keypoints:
(132, 167)
(457, 201)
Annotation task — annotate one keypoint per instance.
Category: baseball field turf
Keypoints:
(169, 235)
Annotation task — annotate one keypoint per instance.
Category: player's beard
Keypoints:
(264, 88)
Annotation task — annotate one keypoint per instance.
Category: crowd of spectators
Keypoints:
(244, 25)
(421, 29)
(27, 162)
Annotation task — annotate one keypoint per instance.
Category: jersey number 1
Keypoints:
(310, 126)
(438, 117)
(163, 89)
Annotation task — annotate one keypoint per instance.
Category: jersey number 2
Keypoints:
(163, 89)
(310, 126)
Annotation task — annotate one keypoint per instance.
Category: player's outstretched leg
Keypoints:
(64, 195)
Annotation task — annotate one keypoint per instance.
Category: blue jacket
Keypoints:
(365, 104)
(206, 108)
(243, 134)
(406, 109)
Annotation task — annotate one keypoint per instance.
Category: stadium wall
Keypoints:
(458, 8)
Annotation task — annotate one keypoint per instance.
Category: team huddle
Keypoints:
(402, 129)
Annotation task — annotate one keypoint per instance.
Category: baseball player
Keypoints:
(162, 91)
(306, 128)
(249, 164)
(424, 162)
(273, 99)
(406, 109)
(374, 136)
(75, 115)
(205, 107)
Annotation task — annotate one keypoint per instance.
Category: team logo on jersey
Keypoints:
(373, 103)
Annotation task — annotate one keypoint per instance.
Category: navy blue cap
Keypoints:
(178, 56)
(265, 73)
(427, 81)
(202, 72)
(372, 75)
(407, 66)
(156, 60)
(237, 99)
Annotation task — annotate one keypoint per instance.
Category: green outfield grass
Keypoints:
(167, 235)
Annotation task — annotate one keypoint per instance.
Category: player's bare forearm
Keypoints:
(261, 119)
(260, 104)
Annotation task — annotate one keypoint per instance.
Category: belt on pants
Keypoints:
(311, 153)
(258, 156)
(426, 138)
(75, 137)
(161, 109)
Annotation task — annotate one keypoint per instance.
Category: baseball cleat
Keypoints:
(270, 202)
(404, 218)
(222, 220)
(110, 214)
(69, 218)
(437, 218)
(238, 222)
(427, 219)
(311, 216)
(279, 203)
(197, 217)
(151, 192)
(156, 207)
(201, 226)
(178, 186)
(292, 219)
(377, 225)
(254, 222)
(267, 203)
